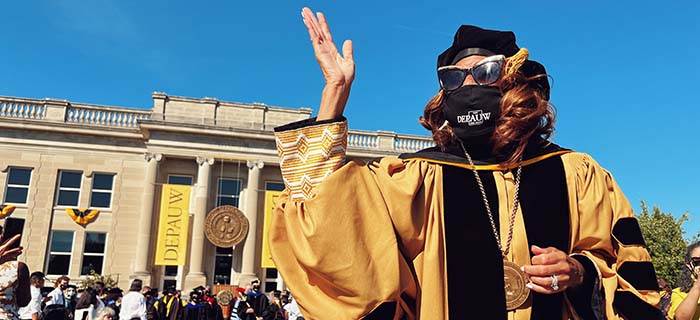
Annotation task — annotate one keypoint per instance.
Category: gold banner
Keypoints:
(270, 200)
(171, 248)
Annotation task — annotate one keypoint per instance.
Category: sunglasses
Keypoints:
(484, 72)
(695, 261)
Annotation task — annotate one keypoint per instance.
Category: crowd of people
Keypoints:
(25, 296)
(67, 301)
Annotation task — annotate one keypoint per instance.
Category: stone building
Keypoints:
(59, 155)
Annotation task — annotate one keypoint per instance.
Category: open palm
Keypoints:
(7, 253)
(337, 69)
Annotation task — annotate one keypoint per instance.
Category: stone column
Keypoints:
(195, 276)
(251, 197)
(143, 239)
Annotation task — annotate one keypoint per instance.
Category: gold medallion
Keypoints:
(515, 280)
(226, 226)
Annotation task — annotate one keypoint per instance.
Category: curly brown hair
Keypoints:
(525, 113)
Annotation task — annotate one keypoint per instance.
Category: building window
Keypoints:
(13, 226)
(94, 253)
(182, 180)
(274, 186)
(228, 193)
(18, 185)
(222, 265)
(170, 274)
(102, 188)
(69, 188)
(270, 280)
(60, 253)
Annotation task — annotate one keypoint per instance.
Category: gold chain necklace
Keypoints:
(514, 279)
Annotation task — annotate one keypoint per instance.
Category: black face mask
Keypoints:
(472, 111)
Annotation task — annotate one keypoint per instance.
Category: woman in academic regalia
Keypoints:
(539, 231)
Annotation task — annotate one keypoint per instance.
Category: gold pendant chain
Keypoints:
(488, 207)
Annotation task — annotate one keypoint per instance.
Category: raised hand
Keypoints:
(7, 254)
(338, 70)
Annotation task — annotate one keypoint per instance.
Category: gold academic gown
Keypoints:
(355, 240)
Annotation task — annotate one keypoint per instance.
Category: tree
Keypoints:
(663, 234)
(90, 280)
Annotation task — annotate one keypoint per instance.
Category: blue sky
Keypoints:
(625, 72)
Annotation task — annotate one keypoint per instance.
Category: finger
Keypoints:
(310, 18)
(12, 240)
(9, 257)
(16, 251)
(312, 26)
(347, 50)
(539, 289)
(543, 270)
(308, 22)
(546, 282)
(324, 27)
(549, 256)
(537, 250)
(9, 242)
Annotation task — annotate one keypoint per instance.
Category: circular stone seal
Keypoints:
(226, 226)
(224, 297)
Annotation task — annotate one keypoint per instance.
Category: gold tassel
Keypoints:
(514, 62)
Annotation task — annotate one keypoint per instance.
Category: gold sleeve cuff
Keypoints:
(308, 155)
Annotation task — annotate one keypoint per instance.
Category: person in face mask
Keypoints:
(540, 231)
(69, 295)
(56, 296)
(257, 299)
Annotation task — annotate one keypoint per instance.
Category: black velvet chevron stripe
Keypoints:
(386, 310)
(633, 307)
(640, 274)
(627, 231)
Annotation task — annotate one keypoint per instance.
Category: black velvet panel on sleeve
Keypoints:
(631, 307)
(640, 274)
(385, 311)
(628, 232)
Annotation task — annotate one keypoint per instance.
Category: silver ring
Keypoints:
(555, 283)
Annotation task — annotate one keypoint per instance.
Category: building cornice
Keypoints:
(69, 128)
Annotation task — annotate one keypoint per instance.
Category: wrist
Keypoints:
(333, 101)
(576, 273)
(336, 83)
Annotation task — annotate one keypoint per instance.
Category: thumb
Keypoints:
(347, 50)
